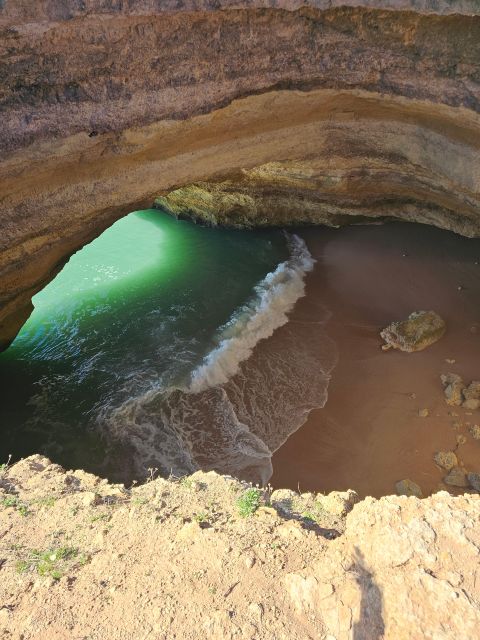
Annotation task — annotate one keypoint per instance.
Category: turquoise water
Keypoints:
(127, 359)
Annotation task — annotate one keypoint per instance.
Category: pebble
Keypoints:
(475, 431)
(423, 413)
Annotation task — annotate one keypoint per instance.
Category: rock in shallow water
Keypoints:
(408, 488)
(474, 480)
(417, 332)
(456, 478)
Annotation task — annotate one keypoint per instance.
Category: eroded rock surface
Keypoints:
(245, 113)
(417, 332)
(83, 558)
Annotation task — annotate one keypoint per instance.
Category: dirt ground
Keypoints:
(209, 557)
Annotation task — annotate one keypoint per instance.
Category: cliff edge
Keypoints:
(207, 556)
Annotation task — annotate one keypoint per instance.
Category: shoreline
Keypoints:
(369, 435)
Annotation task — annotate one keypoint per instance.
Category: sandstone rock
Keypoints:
(374, 104)
(475, 431)
(412, 572)
(423, 413)
(417, 332)
(446, 459)
(474, 480)
(472, 392)
(408, 488)
(456, 478)
(453, 388)
(90, 499)
(189, 531)
(338, 503)
(291, 529)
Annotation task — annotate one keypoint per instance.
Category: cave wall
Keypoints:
(242, 113)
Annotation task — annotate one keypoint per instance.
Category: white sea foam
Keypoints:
(274, 298)
(237, 410)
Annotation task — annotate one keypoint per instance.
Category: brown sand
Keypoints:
(369, 435)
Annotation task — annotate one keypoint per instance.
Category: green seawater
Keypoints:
(137, 310)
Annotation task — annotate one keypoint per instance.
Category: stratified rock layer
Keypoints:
(241, 113)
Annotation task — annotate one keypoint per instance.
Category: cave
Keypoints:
(223, 225)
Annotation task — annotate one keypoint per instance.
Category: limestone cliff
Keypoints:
(246, 112)
(81, 558)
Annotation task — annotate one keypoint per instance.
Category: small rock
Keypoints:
(417, 332)
(408, 488)
(456, 478)
(256, 610)
(461, 439)
(266, 512)
(454, 386)
(446, 459)
(474, 480)
(475, 431)
(472, 404)
(472, 392)
(291, 529)
(450, 361)
(423, 413)
(339, 503)
(249, 561)
(189, 531)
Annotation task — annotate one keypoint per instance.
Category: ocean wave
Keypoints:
(252, 391)
(274, 297)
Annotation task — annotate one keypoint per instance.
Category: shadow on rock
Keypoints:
(370, 625)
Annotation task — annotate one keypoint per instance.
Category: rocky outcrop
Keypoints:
(245, 113)
(420, 330)
(80, 557)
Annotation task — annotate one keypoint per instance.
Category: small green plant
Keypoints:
(249, 502)
(50, 563)
(186, 482)
(101, 516)
(13, 501)
(309, 516)
(10, 501)
(46, 501)
(201, 517)
(5, 465)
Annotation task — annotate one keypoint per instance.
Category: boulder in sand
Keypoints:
(446, 459)
(417, 332)
(472, 392)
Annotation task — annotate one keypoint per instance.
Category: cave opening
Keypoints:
(173, 346)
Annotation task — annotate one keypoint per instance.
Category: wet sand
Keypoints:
(369, 434)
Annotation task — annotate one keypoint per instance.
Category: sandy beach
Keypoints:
(369, 435)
